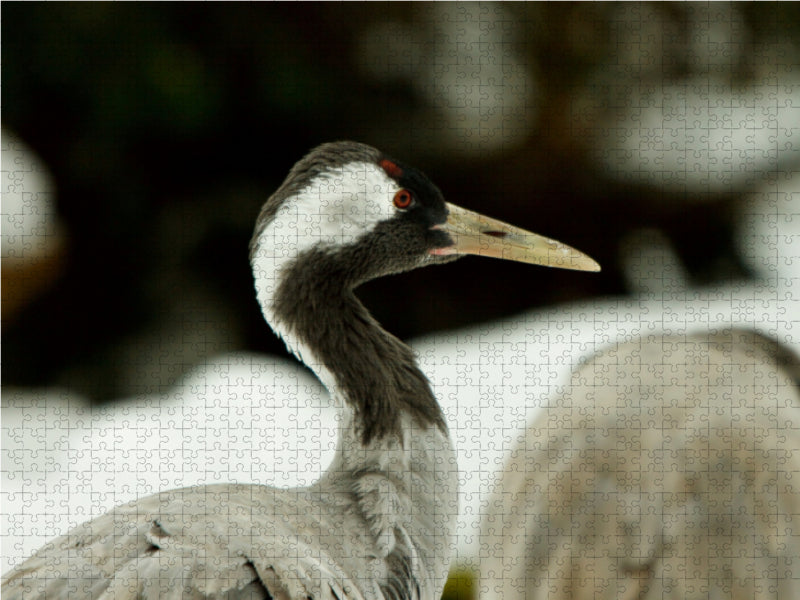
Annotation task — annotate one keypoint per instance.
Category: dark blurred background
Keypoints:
(164, 127)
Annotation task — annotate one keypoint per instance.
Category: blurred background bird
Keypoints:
(140, 140)
(666, 469)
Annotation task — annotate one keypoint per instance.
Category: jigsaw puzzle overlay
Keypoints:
(643, 444)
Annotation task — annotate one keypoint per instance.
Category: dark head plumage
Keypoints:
(347, 213)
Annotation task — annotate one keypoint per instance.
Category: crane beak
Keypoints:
(474, 233)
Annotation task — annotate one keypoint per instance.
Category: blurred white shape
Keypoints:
(657, 41)
(718, 37)
(769, 231)
(687, 101)
(700, 135)
(464, 62)
(644, 37)
(28, 212)
(476, 78)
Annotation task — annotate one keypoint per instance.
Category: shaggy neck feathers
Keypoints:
(374, 372)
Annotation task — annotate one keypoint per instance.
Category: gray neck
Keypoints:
(373, 372)
(418, 502)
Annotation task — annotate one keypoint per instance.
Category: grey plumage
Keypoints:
(667, 469)
(238, 541)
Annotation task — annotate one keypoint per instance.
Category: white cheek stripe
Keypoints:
(334, 209)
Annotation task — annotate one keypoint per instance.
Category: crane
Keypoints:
(667, 469)
(379, 524)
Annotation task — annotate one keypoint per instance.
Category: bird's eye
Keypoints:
(403, 199)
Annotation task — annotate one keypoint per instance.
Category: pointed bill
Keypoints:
(474, 233)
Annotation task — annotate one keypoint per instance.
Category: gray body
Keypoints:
(250, 541)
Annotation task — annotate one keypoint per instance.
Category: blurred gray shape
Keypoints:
(667, 469)
(687, 100)
(465, 62)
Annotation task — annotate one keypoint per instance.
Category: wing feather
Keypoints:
(206, 542)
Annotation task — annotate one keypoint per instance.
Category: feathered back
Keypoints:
(669, 469)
